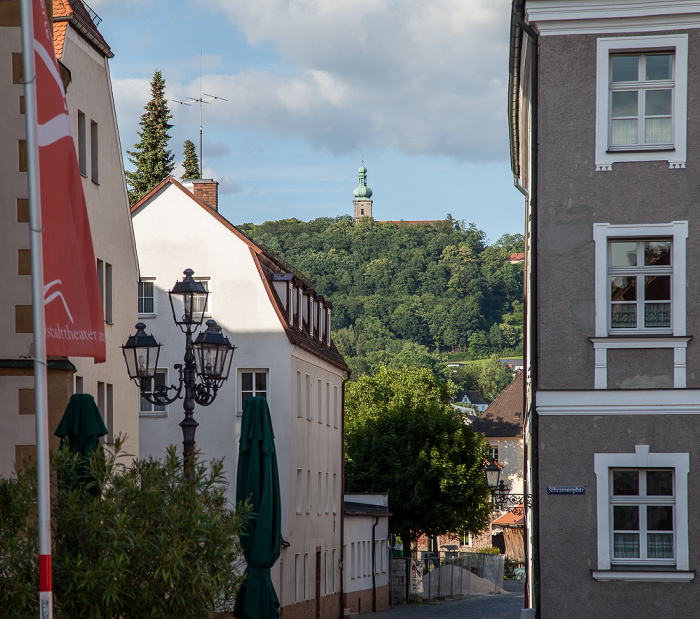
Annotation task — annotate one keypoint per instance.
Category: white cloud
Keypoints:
(418, 77)
(422, 77)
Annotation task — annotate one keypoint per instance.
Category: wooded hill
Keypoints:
(403, 290)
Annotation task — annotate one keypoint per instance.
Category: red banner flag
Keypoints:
(72, 300)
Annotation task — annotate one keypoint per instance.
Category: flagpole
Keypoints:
(39, 323)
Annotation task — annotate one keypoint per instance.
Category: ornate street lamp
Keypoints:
(499, 490)
(206, 365)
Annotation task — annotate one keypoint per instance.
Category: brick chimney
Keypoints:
(206, 190)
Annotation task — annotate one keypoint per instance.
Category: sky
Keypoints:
(309, 89)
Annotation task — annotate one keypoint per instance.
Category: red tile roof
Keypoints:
(513, 518)
(59, 36)
(76, 13)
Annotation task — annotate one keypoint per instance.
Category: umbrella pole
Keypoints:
(38, 320)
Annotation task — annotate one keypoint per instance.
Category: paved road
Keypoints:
(505, 606)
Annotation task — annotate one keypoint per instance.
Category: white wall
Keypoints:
(174, 233)
(90, 91)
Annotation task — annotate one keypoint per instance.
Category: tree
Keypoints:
(403, 437)
(494, 377)
(191, 163)
(151, 157)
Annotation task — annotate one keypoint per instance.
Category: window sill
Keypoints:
(641, 149)
(640, 340)
(159, 414)
(152, 315)
(650, 575)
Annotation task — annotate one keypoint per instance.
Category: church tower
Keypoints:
(362, 195)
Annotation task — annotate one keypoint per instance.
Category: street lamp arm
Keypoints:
(205, 393)
(159, 395)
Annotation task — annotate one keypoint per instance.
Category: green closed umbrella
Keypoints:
(80, 429)
(257, 480)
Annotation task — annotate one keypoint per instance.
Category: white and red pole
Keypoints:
(39, 322)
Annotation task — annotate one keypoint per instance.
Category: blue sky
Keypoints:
(417, 89)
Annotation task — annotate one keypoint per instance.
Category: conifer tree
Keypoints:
(151, 157)
(191, 163)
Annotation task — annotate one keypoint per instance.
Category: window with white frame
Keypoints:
(147, 296)
(640, 273)
(145, 407)
(642, 514)
(641, 102)
(493, 452)
(251, 383)
(640, 278)
(642, 503)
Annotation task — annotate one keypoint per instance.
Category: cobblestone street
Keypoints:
(506, 606)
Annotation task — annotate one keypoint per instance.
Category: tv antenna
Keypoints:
(202, 99)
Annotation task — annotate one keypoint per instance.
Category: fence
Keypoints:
(445, 574)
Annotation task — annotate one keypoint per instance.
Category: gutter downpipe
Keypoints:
(374, 564)
(341, 566)
(518, 26)
(534, 310)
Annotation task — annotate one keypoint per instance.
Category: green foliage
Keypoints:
(151, 157)
(490, 550)
(494, 377)
(154, 544)
(191, 163)
(403, 436)
(434, 285)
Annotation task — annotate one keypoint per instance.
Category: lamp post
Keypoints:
(206, 365)
(501, 498)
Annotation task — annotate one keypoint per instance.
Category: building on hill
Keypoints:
(362, 194)
(281, 328)
(83, 56)
(608, 164)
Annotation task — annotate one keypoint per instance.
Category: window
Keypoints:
(642, 513)
(641, 100)
(352, 560)
(335, 493)
(319, 495)
(320, 401)
(78, 384)
(300, 412)
(109, 422)
(146, 296)
(94, 152)
(493, 452)
(332, 570)
(308, 491)
(640, 281)
(308, 397)
(640, 284)
(335, 406)
(300, 488)
(327, 493)
(642, 504)
(201, 304)
(108, 294)
(328, 404)
(325, 572)
(297, 577)
(82, 144)
(156, 410)
(252, 383)
(306, 575)
(101, 403)
(104, 281)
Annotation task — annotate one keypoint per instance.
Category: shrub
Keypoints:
(139, 541)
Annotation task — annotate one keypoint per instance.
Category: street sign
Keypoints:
(566, 489)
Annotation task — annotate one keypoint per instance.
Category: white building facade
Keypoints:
(281, 330)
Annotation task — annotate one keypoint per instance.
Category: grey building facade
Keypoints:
(604, 108)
